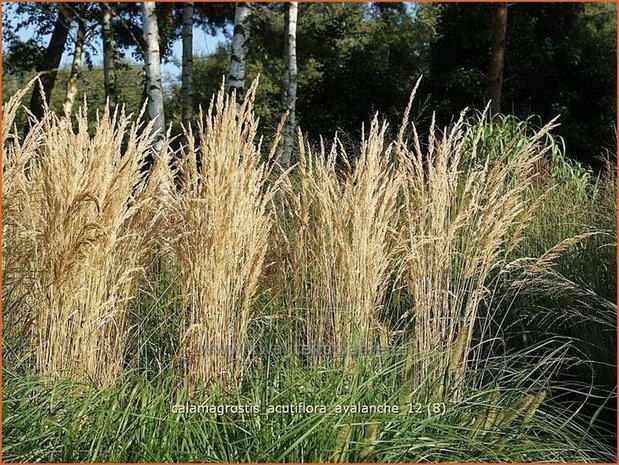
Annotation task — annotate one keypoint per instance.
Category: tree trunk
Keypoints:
(76, 64)
(187, 76)
(153, 72)
(240, 47)
(109, 71)
(497, 55)
(290, 81)
(50, 63)
(285, 80)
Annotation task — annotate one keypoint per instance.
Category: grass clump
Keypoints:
(463, 213)
(70, 200)
(219, 229)
(341, 250)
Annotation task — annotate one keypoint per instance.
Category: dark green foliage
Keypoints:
(22, 57)
(363, 62)
(90, 86)
(560, 60)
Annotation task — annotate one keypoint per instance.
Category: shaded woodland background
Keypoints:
(352, 60)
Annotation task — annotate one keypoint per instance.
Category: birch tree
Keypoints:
(76, 63)
(109, 70)
(290, 81)
(153, 71)
(187, 75)
(240, 48)
(497, 56)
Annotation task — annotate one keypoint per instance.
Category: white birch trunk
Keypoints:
(285, 80)
(187, 75)
(290, 81)
(153, 72)
(240, 48)
(75, 66)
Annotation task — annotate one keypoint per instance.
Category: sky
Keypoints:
(203, 44)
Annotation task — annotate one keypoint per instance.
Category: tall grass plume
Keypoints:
(220, 223)
(69, 200)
